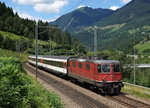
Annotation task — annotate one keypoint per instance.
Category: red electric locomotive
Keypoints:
(102, 74)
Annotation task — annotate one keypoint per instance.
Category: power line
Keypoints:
(74, 5)
(67, 25)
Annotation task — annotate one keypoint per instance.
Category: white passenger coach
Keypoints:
(51, 63)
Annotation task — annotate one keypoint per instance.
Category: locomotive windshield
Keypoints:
(106, 68)
(116, 68)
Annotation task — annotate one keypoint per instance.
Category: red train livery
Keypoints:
(104, 75)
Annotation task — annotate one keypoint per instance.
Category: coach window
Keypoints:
(80, 65)
(46, 61)
(87, 66)
(106, 68)
(60, 64)
(99, 68)
(74, 64)
(52, 63)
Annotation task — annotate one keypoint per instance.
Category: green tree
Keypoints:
(21, 28)
(7, 43)
(67, 38)
(77, 47)
(1, 40)
(9, 24)
(26, 31)
(31, 35)
(57, 37)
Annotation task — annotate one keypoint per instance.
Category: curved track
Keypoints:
(84, 100)
(128, 102)
(80, 98)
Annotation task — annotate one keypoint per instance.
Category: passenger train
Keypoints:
(104, 75)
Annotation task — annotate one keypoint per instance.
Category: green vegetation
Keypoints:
(25, 34)
(62, 46)
(143, 47)
(8, 53)
(121, 29)
(137, 91)
(11, 42)
(19, 90)
(128, 13)
(11, 22)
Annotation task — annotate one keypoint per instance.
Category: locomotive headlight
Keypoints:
(112, 76)
(104, 80)
(119, 79)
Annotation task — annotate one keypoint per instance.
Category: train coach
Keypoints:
(104, 75)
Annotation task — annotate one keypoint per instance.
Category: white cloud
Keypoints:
(13, 0)
(33, 2)
(125, 1)
(51, 7)
(114, 7)
(47, 6)
(81, 6)
(26, 15)
(14, 11)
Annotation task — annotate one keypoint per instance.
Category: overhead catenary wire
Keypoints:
(75, 5)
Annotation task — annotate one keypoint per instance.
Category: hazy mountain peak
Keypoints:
(84, 16)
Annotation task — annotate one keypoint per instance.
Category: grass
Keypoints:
(142, 46)
(11, 35)
(16, 37)
(137, 91)
(41, 97)
(8, 53)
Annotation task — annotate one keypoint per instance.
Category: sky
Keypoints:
(50, 10)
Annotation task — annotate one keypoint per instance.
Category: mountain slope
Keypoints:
(121, 29)
(133, 10)
(84, 16)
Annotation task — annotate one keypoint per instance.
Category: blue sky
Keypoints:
(49, 10)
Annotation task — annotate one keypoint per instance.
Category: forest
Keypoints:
(10, 22)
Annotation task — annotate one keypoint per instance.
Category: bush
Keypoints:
(19, 90)
(13, 83)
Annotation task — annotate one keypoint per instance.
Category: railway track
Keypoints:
(80, 98)
(128, 102)
(84, 100)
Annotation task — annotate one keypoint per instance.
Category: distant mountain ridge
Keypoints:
(131, 11)
(117, 29)
(82, 17)
(121, 29)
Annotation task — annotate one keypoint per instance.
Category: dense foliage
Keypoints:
(25, 29)
(18, 90)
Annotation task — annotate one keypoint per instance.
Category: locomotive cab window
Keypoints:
(87, 66)
(106, 68)
(74, 64)
(99, 67)
(80, 65)
(116, 68)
